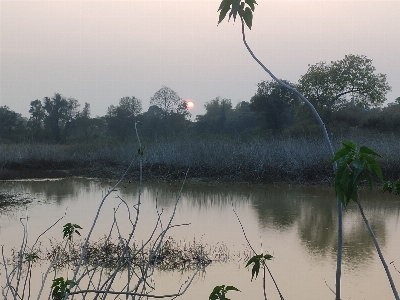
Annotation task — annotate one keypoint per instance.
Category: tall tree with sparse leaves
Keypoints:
(169, 101)
(245, 9)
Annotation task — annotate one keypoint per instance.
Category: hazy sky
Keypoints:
(100, 51)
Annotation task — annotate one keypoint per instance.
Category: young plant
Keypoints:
(220, 291)
(356, 165)
(257, 260)
(392, 187)
(245, 11)
(61, 288)
(69, 229)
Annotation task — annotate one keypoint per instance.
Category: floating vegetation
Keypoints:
(171, 256)
(8, 199)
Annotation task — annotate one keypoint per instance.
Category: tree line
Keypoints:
(347, 93)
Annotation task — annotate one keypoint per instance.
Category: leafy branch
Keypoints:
(257, 260)
(354, 165)
(69, 229)
(61, 287)
(220, 291)
(392, 187)
(244, 9)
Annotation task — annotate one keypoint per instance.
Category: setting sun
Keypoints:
(189, 104)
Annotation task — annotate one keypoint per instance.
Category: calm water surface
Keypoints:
(295, 224)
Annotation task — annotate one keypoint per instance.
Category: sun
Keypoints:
(189, 104)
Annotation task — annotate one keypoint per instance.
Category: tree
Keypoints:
(169, 101)
(11, 123)
(55, 116)
(37, 116)
(272, 103)
(121, 118)
(349, 80)
(85, 111)
(59, 114)
(215, 118)
(243, 119)
(175, 114)
(85, 128)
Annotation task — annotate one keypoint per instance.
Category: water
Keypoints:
(297, 225)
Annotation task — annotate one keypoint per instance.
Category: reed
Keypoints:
(286, 159)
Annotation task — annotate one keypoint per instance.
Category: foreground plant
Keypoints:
(245, 9)
(257, 261)
(356, 165)
(61, 288)
(220, 291)
(392, 187)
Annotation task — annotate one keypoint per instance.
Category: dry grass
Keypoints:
(298, 160)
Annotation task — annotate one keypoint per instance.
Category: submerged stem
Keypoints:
(378, 249)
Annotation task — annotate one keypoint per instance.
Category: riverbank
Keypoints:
(276, 160)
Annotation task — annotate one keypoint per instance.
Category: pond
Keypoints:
(295, 224)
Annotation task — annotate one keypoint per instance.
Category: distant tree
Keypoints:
(242, 118)
(273, 104)
(85, 128)
(85, 111)
(11, 123)
(215, 118)
(349, 80)
(121, 118)
(386, 119)
(37, 112)
(169, 101)
(175, 114)
(59, 115)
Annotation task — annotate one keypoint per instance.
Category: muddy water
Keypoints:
(297, 225)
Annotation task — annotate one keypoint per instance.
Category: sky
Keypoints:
(101, 51)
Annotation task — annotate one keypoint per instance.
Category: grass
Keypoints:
(298, 160)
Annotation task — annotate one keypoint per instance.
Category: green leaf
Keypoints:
(256, 267)
(234, 9)
(268, 256)
(366, 150)
(256, 260)
(374, 165)
(353, 167)
(224, 3)
(251, 4)
(358, 167)
(340, 153)
(232, 288)
(224, 10)
(392, 187)
(248, 17)
(370, 181)
(69, 229)
(61, 287)
(350, 145)
(220, 291)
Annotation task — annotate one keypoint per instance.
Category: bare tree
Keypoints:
(169, 101)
